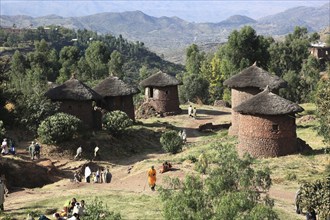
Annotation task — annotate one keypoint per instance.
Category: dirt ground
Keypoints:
(130, 177)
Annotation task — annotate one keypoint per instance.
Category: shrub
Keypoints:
(59, 128)
(116, 122)
(171, 142)
(97, 210)
(232, 191)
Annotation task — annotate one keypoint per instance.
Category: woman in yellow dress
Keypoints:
(152, 178)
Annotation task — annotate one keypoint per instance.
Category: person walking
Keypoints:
(152, 178)
(190, 111)
(194, 113)
(32, 150)
(78, 154)
(96, 153)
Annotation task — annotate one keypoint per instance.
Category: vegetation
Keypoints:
(323, 106)
(231, 191)
(171, 142)
(116, 122)
(316, 195)
(59, 128)
(97, 211)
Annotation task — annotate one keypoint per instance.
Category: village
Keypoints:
(122, 115)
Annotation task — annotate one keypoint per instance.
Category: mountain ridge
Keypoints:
(171, 35)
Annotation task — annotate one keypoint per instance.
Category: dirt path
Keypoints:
(135, 180)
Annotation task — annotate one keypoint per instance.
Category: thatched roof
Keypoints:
(73, 89)
(112, 86)
(268, 103)
(160, 79)
(254, 76)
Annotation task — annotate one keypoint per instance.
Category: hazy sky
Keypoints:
(197, 11)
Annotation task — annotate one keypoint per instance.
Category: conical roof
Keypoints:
(73, 89)
(268, 103)
(113, 86)
(160, 79)
(254, 76)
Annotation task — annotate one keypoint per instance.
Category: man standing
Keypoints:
(32, 150)
(152, 178)
(88, 173)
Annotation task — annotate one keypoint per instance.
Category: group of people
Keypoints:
(101, 175)
(192, 112)
(8, 147)
(34, 150)
(72, 210)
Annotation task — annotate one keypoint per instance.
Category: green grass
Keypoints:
(287, 172)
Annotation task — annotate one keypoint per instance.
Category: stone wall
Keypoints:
(267, 136)
(239, 95)
(165, 99)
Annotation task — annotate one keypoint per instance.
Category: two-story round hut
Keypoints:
(245, 85)
(161, 91)
(267, 125)
(117, 95)
(76, 98)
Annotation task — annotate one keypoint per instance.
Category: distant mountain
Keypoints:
(237, 20)
(282, 23)
(171, 35)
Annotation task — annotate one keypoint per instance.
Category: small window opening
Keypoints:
(275, 128)
(166, 92)
(70, 107)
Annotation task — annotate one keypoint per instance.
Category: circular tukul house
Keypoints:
(161, 92)
(76, 98)
(267, 125)
(245, 85)
(117, 95)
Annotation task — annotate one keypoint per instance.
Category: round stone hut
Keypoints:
(267, 126)
(161, 92)
(117, 95)
(245, 85)
(76, 98)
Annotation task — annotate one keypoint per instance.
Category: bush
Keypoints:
(171, 142)
(233, 190)
(59, 128)
(116, 122)
(97, 210)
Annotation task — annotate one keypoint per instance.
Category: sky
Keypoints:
(189, 10)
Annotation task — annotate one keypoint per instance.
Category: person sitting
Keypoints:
(57, 216)
(77, 177)
(79, 208)
(68, 207)
(165, 167)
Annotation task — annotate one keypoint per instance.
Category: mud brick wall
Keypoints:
(165, 99)
(267, 136)
(239, 95)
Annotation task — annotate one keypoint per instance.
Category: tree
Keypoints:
(231, 191)
(97, 56)
(116, 64)
(323, 106)
(69, 57)
(195, 88)
(193, 59)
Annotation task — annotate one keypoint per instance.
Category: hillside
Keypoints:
(137, 153)
(171, 35)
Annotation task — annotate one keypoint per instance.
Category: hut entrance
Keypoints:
(275, 128)
(151, 92)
